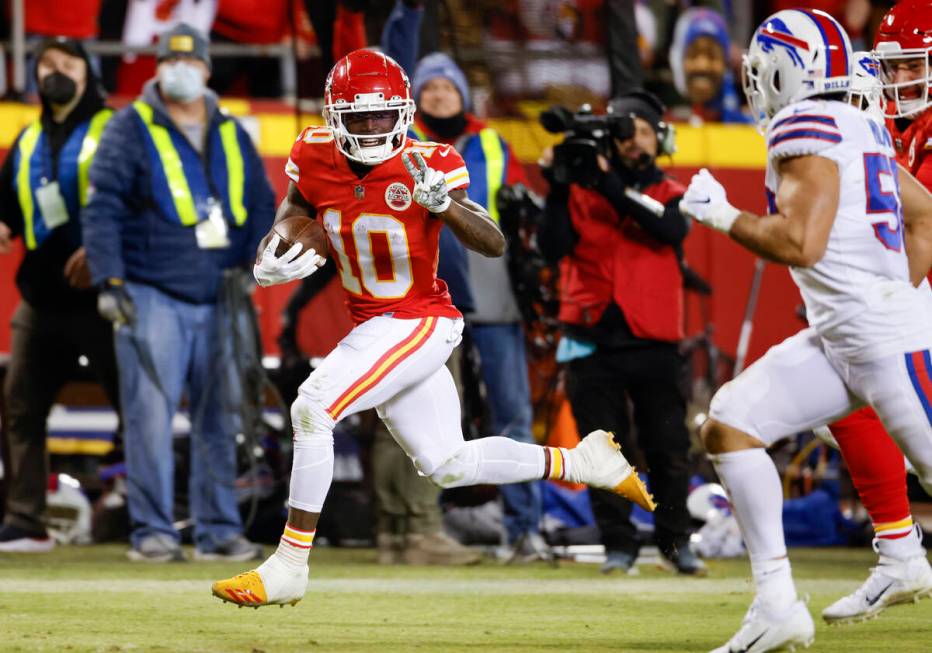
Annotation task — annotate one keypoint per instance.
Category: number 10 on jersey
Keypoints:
(382, 255)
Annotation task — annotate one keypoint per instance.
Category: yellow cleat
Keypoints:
(633, 489)
(243, 590)
(272, 583)
(598, 462)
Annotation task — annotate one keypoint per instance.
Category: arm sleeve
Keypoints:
(811, 131)
(402, 35)
(447, 160)
(556, 237)
(298, 160)
(670, 228)
(112, 178)
(261, 200)
(11, 213)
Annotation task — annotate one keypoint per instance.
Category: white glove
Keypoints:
(430, 186)
(706, 201)
(271, 270)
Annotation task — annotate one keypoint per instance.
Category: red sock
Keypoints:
(877, 471)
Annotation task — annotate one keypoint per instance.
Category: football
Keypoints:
(304, 230)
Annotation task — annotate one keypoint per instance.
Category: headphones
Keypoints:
(647, 106)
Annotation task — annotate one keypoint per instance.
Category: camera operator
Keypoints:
(613, 222)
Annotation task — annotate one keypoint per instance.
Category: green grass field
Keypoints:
(93, 599)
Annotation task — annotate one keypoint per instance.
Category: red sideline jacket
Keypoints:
(615, 259)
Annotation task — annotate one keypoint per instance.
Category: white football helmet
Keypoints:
(795, 54)
(69, 511)
(708, 503)
(866, 87)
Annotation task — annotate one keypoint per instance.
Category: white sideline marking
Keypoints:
(618, 587)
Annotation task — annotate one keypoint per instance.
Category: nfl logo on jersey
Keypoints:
(397, 196)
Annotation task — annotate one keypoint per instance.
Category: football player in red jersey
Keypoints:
(902, 48)
(382, 200)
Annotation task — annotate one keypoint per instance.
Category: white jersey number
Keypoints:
(382, 254)
(883, 197)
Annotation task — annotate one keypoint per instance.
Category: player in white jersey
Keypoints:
(841, 218)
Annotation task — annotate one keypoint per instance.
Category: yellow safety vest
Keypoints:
(493, 159)
(73, 167)
(178, 183)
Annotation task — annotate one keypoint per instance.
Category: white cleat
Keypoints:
(272, 583)
(763, 631)
(892, 581)
(598, 462)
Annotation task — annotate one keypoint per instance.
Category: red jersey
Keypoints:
(385, 245)
(914, 147)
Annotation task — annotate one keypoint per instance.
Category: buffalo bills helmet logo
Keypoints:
(870, 66)
(775, 34)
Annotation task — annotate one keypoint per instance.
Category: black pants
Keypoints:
(651, 376)
(44, 355)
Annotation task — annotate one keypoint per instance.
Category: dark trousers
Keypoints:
(44, 352)
(650, 376)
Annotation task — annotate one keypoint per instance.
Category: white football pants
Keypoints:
(397, 366)
(799, 385)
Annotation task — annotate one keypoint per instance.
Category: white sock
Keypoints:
(753, 485)
(901, 548)
(295, 546)
(503, 460)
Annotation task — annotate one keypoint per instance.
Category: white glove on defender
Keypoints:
(430, 186)
(707, 202)
(271, 270)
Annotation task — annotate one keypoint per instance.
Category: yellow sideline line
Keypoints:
(715, 146)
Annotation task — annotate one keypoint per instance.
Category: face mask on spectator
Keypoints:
(181, 81)
(57, 88)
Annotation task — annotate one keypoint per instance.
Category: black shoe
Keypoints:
(685, 561)
(17, 540)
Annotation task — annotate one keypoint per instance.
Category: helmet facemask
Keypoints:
(370, 149)
(909, 98)
(756, 91)
(866, 88)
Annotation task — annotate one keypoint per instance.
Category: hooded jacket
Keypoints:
(40, 277)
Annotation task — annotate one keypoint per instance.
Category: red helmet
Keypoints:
(367, 81)
(904, 40)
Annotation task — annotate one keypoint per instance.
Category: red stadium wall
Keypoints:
(725, 265)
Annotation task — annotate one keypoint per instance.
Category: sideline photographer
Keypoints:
(612, 220)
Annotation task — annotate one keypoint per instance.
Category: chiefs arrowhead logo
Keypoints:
(397, 196)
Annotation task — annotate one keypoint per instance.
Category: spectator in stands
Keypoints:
(258, 22)
(339, 26)
(621, 302)
(701, 69)
(43, 186)
(180, 196)
(49, 18)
